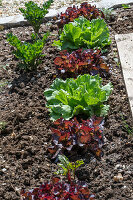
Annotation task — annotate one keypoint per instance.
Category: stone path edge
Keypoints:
(18, 20)
(125, 47)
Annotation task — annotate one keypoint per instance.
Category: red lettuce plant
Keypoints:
(81, 62)
(86, 10)
(88, 134)
(59, 190)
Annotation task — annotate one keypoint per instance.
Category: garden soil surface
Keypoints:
(24, 159)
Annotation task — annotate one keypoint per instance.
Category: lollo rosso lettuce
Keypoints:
(85, 9)
(81, 62)
(57, 189)
(84, 95)
(83, 33)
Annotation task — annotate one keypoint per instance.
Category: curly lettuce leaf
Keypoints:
(83, 33)
(84, 95)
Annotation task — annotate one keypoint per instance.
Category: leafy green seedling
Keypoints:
(107, 12)
(126, 127)
(2, 125)
(4, 67)
(34, 14)
(126, 6)
(28, 53)
(68, 168)
(2, 84)
(117, 62)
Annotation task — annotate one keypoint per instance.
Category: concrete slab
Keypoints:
(113, 3)
(125, 49)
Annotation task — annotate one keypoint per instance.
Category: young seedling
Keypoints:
(107, 12)
(34, 14)
(2, 84)
(2, 125)
(126, 6)
(126, 127)
(68, 168)
(28, 53)
(3, 67)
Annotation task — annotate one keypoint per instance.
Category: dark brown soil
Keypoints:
(24, 160)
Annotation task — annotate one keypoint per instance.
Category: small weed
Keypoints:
(2, 84)
(126, 6)
(62, 3)
(2, 125)
(0, 2)
(1, 28)
(3, 67)
(116, 59)
(16, 3)
(117, 62)
(126, 127)
(107, 13)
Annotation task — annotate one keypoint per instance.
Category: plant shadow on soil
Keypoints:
(27, 135)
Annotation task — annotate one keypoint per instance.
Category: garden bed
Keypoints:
(25, 161)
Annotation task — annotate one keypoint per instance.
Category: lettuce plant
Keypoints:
(81, 62)
(57, 189)
(28, 53)
(84, 95)
(85, 9)
(87, 135)
(34, 14)
(83, 33)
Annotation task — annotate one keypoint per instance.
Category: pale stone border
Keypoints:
(125, 49)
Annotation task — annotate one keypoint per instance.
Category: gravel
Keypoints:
(11, 7)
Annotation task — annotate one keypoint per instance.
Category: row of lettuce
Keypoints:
(77, 100)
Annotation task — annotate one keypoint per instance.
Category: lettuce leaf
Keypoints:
(84, 95)
(84, 33)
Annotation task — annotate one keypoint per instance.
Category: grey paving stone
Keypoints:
(125, 49)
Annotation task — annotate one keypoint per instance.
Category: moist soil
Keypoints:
(24, 159)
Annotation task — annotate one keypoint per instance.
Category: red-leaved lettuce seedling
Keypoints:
(81, 62)
(59, 190)
(87, 135)
(85, 9)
